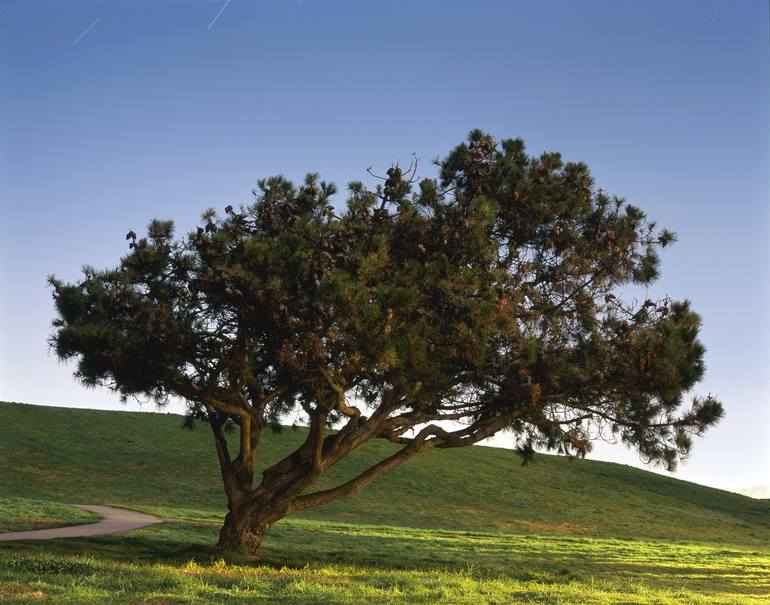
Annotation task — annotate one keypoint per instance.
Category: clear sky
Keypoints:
(112, 113)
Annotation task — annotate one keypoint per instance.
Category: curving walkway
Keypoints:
(113, 520)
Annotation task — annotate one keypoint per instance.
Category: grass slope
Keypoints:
(22, 514)
(71, 455)
(462, 526)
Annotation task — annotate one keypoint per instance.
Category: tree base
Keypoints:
(244, 532)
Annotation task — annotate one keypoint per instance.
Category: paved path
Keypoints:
(113, 520)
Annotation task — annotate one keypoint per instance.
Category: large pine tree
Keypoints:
(432, 314)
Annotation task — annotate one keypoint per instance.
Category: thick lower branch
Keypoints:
(295, 473)
(478, 431)
(417, 445)
(232, 488)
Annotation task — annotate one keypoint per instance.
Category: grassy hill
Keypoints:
(461, 526)
(147, 459)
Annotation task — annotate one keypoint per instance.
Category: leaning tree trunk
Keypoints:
(247, 523)
(243, 533)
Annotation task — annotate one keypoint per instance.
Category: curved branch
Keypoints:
(348, 410)
(417, 445)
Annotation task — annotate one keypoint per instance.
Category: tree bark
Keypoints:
(246, 525)
(254, 510)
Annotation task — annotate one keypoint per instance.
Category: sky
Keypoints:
(113, 113)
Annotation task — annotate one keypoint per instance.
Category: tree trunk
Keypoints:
(246, 525)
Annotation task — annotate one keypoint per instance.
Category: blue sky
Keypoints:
(112, 113)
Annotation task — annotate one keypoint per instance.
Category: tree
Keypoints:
(432, 314)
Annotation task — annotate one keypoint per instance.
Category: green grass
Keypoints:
(125, 458)
(462, 526)
(316, 561)
(21, 514)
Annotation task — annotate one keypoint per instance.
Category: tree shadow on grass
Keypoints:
(297, 546)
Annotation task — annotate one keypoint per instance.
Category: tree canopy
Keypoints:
(431, 312)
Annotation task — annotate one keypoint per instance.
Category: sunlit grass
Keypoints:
(21, 514)
(312, 561)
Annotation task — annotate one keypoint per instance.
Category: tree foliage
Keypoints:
(432, 313)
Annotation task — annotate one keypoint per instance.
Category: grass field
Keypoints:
(462, 526)
(22, 514)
